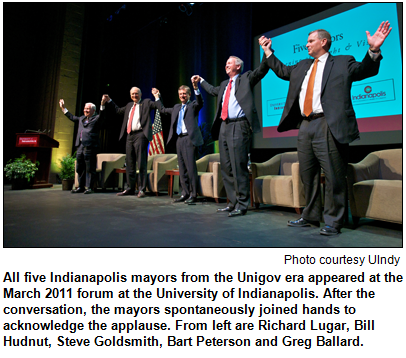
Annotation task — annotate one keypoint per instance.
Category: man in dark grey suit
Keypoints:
(319, 104)
(185, 127)
(138, 127)
(87, 143)
(235, 121)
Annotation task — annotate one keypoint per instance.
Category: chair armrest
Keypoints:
(150, 162)
(366, 169)
(109, 166)
(218, 185)
(161, 167)
(76, 177)
(201, 164)
(298, 188)
(270, 167)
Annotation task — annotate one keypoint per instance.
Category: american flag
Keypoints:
(156, 146)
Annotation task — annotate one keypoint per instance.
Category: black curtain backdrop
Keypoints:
(166, 53)
(124, 45)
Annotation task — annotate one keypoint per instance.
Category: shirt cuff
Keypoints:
(197, 92)
(102, 107)
(201, 79)
(374, 55)
(157, 99)
(65, 110)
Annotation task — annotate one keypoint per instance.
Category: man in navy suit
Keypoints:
(319, 105)
(235, 120)
(138, 128)
(87, 143)
(185, 127)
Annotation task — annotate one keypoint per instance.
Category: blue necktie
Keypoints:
(180, 120)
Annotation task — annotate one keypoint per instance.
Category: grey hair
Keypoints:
(93, 105)
(139, 90)
(238, 61)
(323, 34)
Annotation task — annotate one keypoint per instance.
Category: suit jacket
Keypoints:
(89, 131)
(339, 73)
(243, 92)
(146, 106)
(191, 119)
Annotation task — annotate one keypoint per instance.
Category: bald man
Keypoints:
(138, 128)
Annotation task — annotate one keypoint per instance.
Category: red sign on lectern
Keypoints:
(28, 141)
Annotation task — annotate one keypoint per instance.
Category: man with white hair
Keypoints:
(87, 143)
(235, 121)
(137, 127)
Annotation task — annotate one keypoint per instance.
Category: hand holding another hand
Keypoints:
(105, 99)
(156, 93)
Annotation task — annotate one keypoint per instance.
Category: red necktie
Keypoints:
(308, 103)
(130, 122)
(224, 110)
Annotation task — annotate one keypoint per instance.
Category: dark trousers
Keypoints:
(188, 177)
(317, 149)
(86, 160)
(234, 145)
(136, 151)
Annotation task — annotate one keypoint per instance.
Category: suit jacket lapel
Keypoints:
(142, 119)
(186, 108)
(237, 84)
(327, 70)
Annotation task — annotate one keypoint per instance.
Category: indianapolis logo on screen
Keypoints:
(369, 94)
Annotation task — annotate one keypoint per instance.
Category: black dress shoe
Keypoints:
(126, 192)
(179, 200)
(227, 209)
(236, 212)
(191, 200)
(329, 231)
(88, 191)
(78, 190)
(302, 223)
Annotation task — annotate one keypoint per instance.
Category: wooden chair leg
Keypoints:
(216, 200)
(299, 211)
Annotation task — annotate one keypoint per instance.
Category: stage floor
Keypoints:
(55, 218)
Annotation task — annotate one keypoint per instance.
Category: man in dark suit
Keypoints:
(87, 143)
(235, 121)
(138, 127)
(319, 104)
(185, 127)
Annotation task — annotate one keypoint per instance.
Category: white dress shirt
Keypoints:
(317, 108)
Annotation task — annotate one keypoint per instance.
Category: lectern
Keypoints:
(38, 147)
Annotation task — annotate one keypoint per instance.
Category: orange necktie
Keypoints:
(130, 122)
(308, 103)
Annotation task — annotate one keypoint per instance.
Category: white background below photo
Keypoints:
(194, 302)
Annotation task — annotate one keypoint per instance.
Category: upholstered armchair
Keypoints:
(277, 182)
(375, 186)
(105, 167)
(210, 180)
(156, 167)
